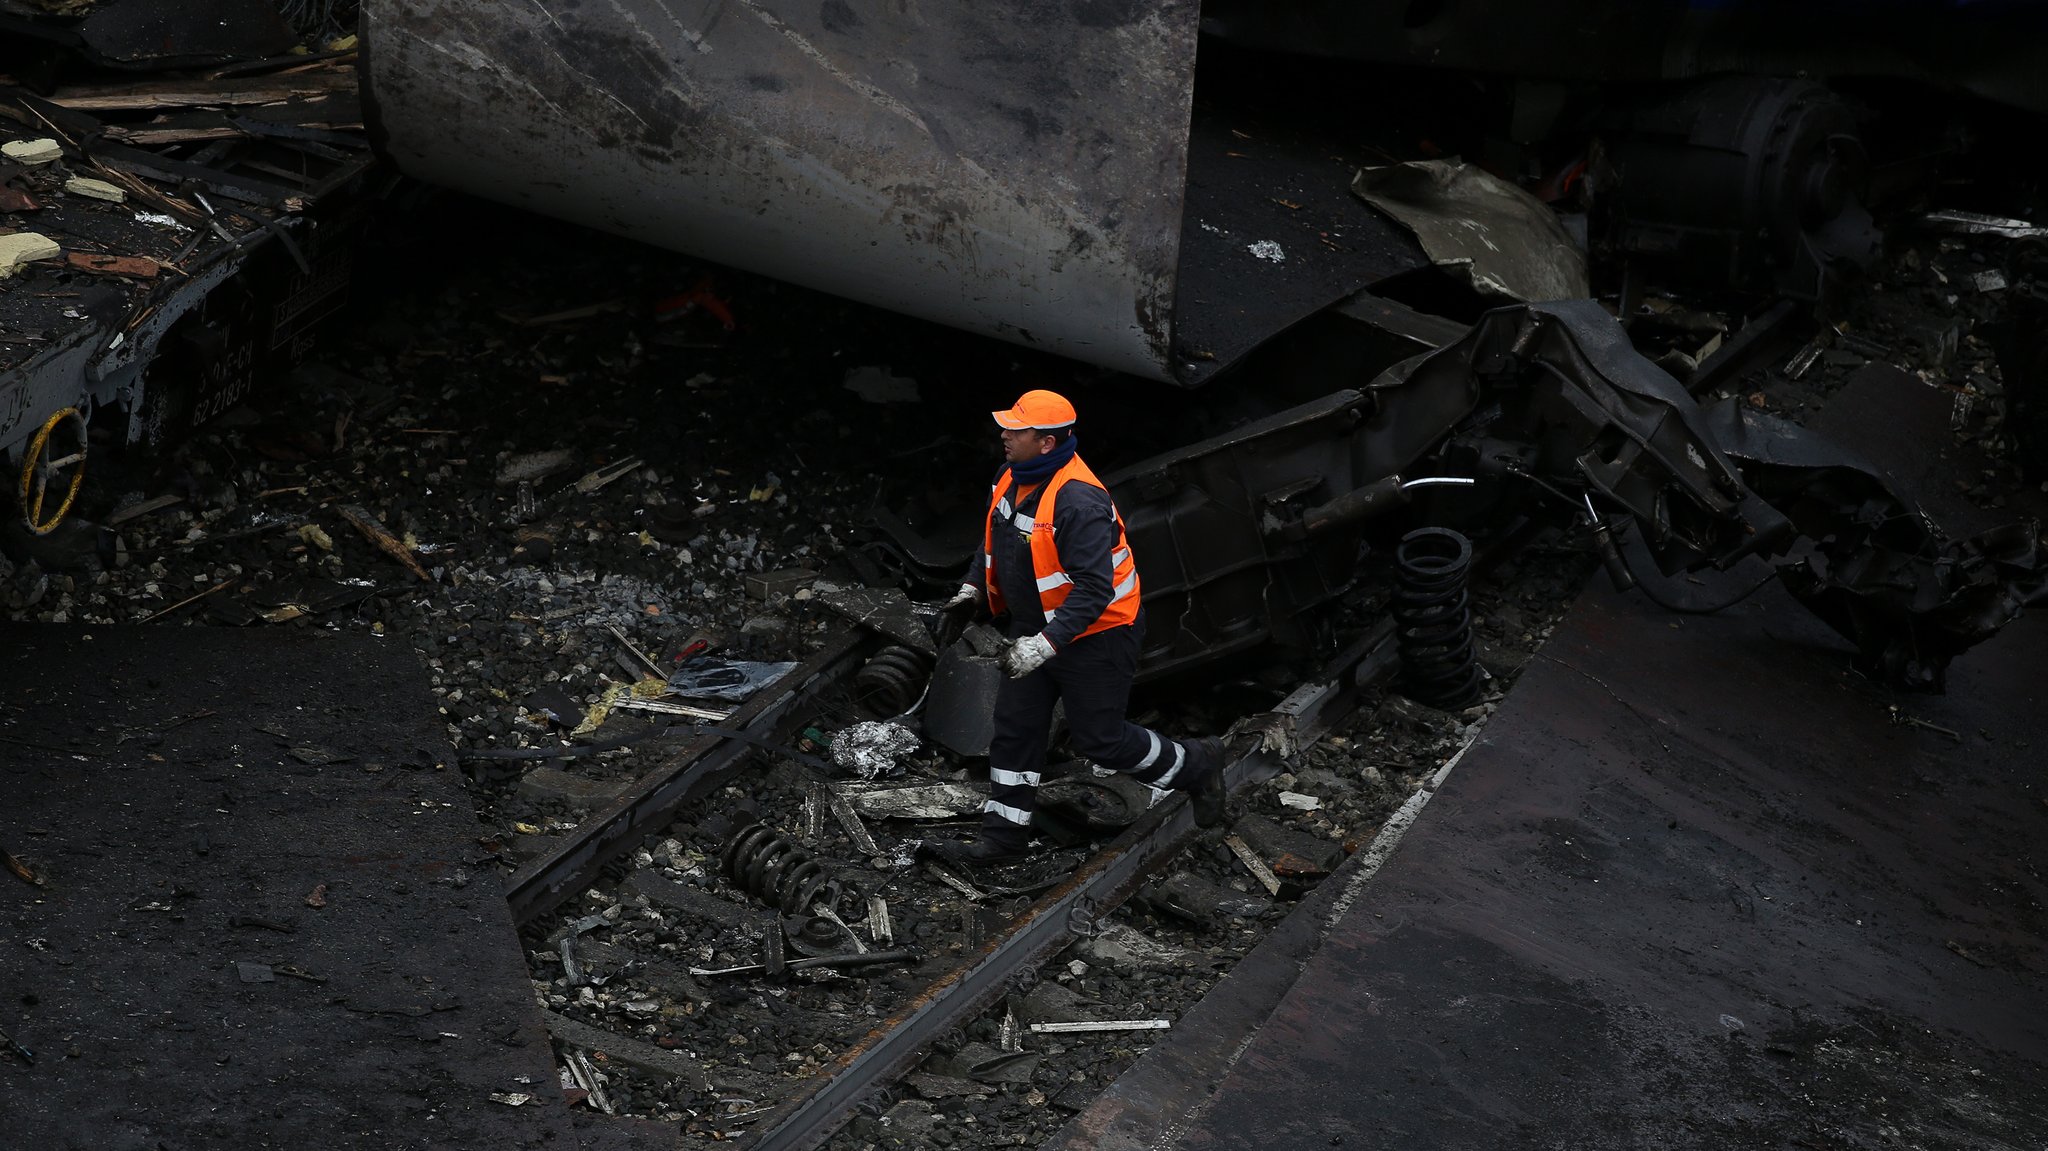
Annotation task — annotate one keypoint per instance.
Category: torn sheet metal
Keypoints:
(1573, 403)
(885, 610)
(1266, 184)
(1505, 241)
(927, 801)
(1011, 171)
(1883, 576)
(728, 680)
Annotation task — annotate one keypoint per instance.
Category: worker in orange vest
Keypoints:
(1055, 560)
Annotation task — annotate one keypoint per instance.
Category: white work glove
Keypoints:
(968, 594)
(1027, 655)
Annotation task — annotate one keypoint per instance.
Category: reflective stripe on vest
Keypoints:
(1054, 584)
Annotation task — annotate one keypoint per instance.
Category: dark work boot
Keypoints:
(1202, 778)
(1000, 842)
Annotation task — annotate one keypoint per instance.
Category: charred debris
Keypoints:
(637, 512)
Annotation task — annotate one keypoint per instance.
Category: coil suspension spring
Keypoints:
(891, 683)
(770, 866)
(1434, 618)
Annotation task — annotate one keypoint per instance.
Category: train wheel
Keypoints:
(57, 451)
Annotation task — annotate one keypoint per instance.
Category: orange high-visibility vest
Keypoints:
(1053, 581)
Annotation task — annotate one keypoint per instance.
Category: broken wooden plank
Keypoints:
(240, 128)
(344, 133)
(234, 186)
(153, 137)
(1290, 852)
(842, 810)
(631, 1052)
(140, 267)
(1253, 864)
(302, 179)
(389, 544)
(199, 93)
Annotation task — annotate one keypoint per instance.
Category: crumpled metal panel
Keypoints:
(1882, 575)
(1500, 239)
(1715, 485)
(1016, 170)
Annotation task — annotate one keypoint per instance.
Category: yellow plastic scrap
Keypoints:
(599, 711)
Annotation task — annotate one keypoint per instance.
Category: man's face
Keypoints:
(1023, 445)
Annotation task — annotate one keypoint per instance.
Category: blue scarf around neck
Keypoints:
(1041, 468)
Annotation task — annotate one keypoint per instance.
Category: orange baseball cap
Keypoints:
(1037, 409)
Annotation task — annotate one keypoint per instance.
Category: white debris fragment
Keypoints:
(1121, 946)
(1299, 802)
(1086, 1025)
(1267, 250)
(21, 247)
(932, 801)
(41, 150)
(95, 189)
(511, 1098)
(161, 220)
(1989, 281)
(871, 749)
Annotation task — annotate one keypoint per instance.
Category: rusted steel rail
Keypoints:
(697, 767)
(1069, 911)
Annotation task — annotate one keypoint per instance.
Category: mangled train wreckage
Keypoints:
(1063, 177)
(1066, 178)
